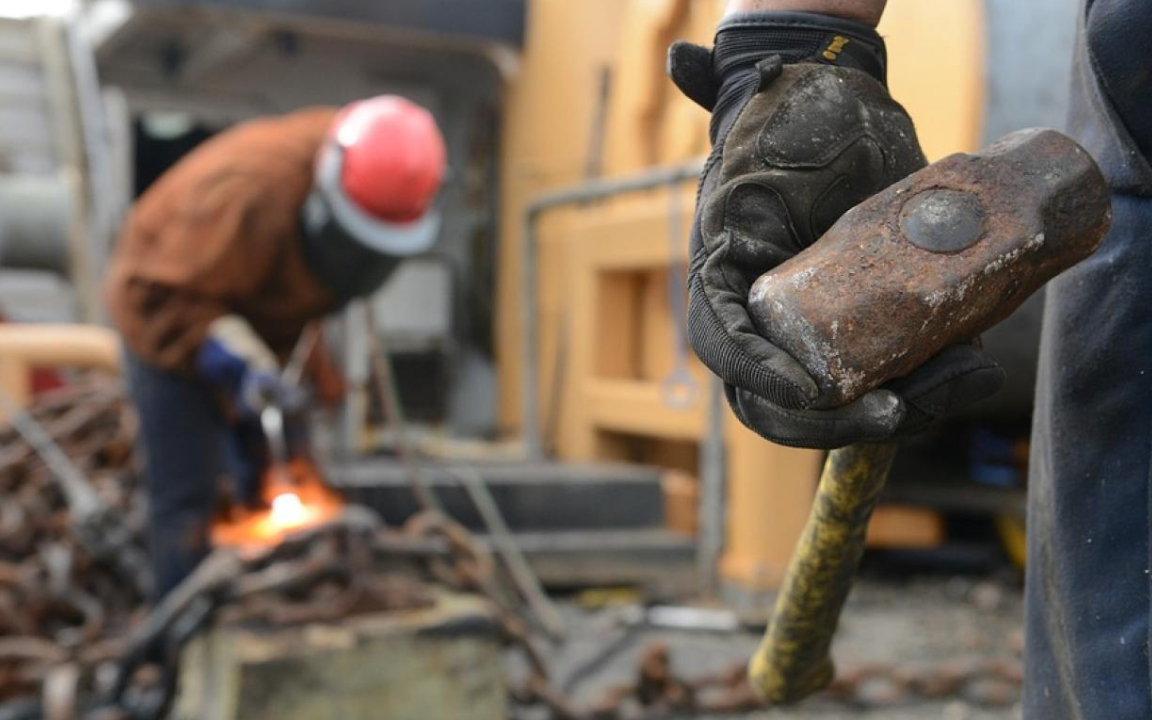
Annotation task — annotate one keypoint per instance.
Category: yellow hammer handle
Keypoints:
(794, 660)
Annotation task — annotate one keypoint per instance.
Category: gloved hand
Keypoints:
(235, 359)
(803, 129)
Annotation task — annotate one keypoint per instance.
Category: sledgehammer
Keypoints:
(932, 261)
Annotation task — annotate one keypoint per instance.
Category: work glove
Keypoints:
(235, 359)
(803, 129)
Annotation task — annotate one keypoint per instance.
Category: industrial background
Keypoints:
(538, 353)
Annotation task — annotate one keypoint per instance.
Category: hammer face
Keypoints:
(934, 260)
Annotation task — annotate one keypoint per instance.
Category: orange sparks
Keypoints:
(294, 503)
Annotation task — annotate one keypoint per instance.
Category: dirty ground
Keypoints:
(913, 624)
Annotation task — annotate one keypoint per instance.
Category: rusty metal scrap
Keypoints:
(64, 606)
(348, 566)
(989, 682)
(76, 640)
(74, 620)
(658, 692)
(342, 568)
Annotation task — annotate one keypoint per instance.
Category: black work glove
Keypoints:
(802, 130)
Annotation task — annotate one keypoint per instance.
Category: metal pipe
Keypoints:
(517, 565)
(84, 504)
(389, 393)
(301, 354)
(710, 545)
(529, 302)
(35, 228)
(51, 344)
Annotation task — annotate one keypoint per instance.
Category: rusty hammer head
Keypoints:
(934, 260)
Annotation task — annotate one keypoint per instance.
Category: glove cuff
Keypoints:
(744, 39)
(722, 80)
(238, 337)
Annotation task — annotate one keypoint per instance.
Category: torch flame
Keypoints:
(288, 510)
(296, 499)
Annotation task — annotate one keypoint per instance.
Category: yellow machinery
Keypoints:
(613, 380)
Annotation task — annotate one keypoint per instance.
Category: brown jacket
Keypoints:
(217, 234)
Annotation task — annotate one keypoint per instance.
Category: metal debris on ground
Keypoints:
(67, 594)
(658, 692)
(77, 641)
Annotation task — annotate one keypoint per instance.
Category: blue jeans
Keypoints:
(1087, 595)
(188, 450)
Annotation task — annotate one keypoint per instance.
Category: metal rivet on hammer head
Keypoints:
(942, 221)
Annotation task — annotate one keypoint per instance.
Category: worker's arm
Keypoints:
(189, 254)
(803, 129)
(867, 12)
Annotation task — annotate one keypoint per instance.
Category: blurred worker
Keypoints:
(223, 262)
(826, 141)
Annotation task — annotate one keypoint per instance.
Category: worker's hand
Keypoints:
(803, 129)
(258, 390)
(235, 359)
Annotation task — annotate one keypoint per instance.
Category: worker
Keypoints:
(821, 147)
(225, 260)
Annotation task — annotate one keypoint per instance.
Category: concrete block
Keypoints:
(436, 663)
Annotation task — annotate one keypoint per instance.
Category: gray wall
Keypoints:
(1029, 63)
(1030, 46)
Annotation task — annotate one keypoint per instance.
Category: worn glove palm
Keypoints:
(803, 129)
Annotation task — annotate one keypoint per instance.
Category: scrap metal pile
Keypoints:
(69, 589)
(76, 636)
(77, 639)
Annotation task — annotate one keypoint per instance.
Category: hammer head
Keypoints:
(934, 260)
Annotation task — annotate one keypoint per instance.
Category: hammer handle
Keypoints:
(793, 660)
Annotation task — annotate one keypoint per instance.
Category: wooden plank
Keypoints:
(576, 437)
(555, 319)
(641, 408)
(632, 233)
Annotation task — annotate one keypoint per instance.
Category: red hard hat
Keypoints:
(393, 157)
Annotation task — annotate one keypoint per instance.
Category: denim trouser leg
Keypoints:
(181, 438)
(1087, 600)
(1087, 595)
